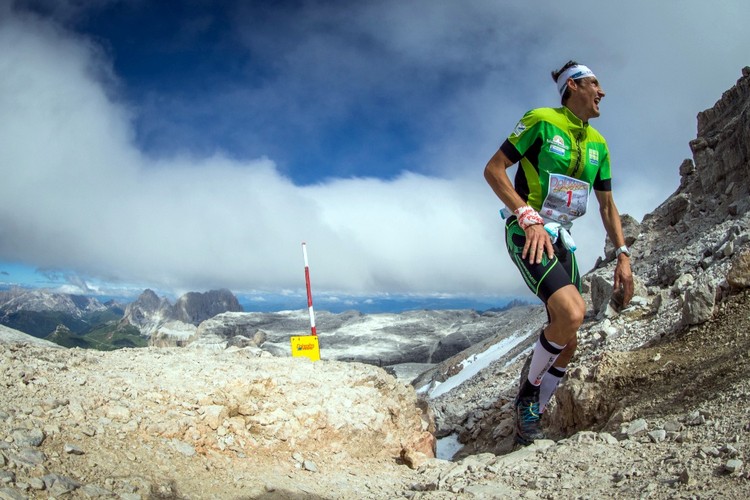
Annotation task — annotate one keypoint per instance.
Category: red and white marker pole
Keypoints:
(309, 291)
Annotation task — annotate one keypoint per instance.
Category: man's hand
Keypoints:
(537, 243)
(623, 280)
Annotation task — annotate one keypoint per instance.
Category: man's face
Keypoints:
(586, 94)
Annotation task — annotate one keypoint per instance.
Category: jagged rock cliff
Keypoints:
(195, 307)
(147, 312)
(169, 324)
(721, 154)
(713, 184)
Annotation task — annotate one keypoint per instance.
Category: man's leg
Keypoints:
(555, 374)
(557, 282)
(566, 310)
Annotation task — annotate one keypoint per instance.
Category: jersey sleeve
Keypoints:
(603, 181)
(523, 136)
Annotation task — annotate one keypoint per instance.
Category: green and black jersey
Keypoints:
(558, 152)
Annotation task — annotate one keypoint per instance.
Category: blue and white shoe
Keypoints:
(528, 420)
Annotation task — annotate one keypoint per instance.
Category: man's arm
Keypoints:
(537, 239)
(613, 226)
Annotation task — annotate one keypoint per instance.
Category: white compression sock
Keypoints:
(544, 356)
(549, 384)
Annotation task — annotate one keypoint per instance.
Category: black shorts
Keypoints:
(550, 275)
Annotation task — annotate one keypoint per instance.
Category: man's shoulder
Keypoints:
(544, 113)
(560, 120)
(553, 116)
(595, 135)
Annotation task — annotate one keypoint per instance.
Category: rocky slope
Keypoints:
(675, 357)
(90, 424)
(656, 404)
(127, 424)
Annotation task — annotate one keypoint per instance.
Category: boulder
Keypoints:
(601, 293)
(450, 345)
(631, 229)
(698, 304)
(738, 276)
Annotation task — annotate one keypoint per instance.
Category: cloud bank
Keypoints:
(80, 192)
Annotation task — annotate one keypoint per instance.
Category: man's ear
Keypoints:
(572, 84)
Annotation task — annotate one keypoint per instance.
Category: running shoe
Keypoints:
(528, 420)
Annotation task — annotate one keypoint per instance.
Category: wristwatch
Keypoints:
(622, 249)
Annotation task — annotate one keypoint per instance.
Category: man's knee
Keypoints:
(576, 314)
(569, 310)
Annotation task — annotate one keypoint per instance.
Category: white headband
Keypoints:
(574, 72)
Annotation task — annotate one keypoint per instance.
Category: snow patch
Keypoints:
(448, 446)
(473, 365)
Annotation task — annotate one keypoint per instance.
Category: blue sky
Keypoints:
(194, 145)
(211, 77)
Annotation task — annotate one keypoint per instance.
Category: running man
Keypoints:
(562, 159)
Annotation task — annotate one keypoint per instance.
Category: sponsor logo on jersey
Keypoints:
(593, 156)
(520, 127)
(557, 146)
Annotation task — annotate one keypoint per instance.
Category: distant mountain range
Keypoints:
(373, 304)
(37, 300)
(68, 320)
(81, 321)
(216, 318)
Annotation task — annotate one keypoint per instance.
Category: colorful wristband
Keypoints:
(527, 216)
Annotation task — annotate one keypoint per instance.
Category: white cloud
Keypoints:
(78, 194)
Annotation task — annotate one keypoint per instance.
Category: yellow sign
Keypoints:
(306, 346)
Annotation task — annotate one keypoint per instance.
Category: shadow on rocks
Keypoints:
(286, 495)
(166, 491)
(170, 492)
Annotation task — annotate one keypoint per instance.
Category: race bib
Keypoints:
(566, 199)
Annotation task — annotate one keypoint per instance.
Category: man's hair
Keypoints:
(556, 75)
